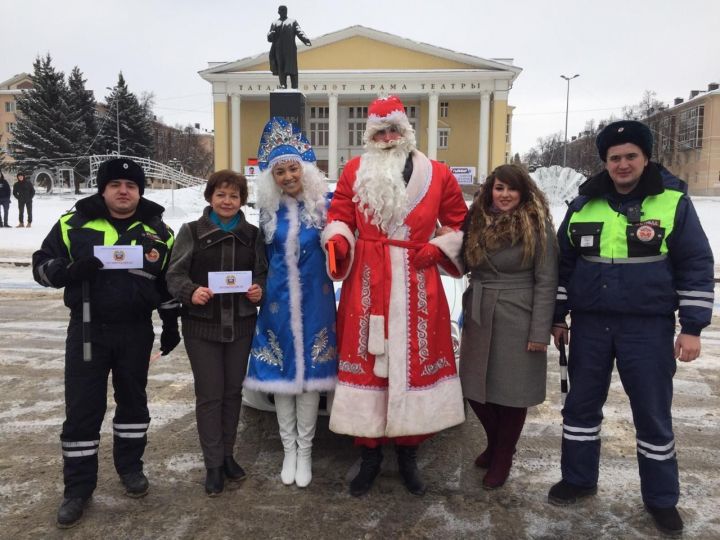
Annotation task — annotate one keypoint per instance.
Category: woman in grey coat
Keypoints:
(511, 255)
(218, 328)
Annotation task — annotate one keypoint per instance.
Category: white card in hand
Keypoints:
(229, 282)
(119, 257)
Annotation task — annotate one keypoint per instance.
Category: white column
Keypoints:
(484, 146)
(235, 162)
(432, 125)
(333, 138)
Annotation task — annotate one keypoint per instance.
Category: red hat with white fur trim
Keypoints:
(385, 112)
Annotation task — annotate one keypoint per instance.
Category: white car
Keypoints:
(454, 289)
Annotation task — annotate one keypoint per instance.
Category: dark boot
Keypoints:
(136, 484)
(407, 463)
(369, 469)
(232, 470)
(214, 481)
(564, 493)
(70, 512)
(510, 424)
(667, 520)
(487, 414)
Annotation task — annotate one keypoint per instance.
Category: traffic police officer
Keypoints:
(632, 253)
(121, 303)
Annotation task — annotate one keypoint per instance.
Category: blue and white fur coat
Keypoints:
(294, 349)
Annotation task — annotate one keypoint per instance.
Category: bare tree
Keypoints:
(192, 150)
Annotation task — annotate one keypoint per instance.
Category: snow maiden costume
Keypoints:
(294, 352)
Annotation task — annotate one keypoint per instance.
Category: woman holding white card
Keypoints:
(294, 352)
(218, 326)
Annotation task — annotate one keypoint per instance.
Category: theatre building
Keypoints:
(457, 103)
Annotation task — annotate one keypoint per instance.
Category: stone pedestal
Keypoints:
(289, 105)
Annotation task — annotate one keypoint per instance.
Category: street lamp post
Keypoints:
(117, 117)
(567, 110)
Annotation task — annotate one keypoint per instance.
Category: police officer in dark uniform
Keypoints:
(632, 252)
(119, 336)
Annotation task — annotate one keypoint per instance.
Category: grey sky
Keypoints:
(620, 48)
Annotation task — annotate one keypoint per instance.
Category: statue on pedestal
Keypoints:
(283, 52)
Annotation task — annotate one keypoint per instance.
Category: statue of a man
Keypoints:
(283, 52)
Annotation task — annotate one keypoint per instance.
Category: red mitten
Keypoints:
(426, 256)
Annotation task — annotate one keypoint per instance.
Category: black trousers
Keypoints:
(219, 370)
(123, 349)
(5, 205)
(21, 207)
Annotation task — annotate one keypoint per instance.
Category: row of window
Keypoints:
(357, 116)
(690, 127)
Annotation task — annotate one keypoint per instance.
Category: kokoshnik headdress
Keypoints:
(283, 141)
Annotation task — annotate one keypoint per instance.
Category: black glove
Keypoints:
(169, 338)
(83, 269)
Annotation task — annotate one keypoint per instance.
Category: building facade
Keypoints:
(457, 103)
(9, 90)
(687, 139)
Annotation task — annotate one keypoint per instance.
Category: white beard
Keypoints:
(379, 187)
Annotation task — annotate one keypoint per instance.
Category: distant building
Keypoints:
(9, 90)
(687, 139)
(458, 103)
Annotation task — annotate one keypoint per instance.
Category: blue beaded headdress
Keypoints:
(283, 141)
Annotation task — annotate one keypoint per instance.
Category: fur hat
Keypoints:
(625, 131)
(120, 169)
(385, 112)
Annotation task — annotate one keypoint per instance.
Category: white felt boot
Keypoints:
(307, 410)
(285, 409)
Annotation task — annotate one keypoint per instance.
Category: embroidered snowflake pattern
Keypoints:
(365, 302)
(274, 307)
(271, 354)
(321, 352)
(422, 338)
(433, 368)
(350, 367)
(422, 293)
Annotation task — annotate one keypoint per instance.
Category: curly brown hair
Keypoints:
(526, 224)
(228, 178)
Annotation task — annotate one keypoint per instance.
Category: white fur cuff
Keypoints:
(451, 245)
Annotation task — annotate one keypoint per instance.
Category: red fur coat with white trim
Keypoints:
(397, 373)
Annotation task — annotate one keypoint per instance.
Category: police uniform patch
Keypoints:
(153, 255)
(645, 233)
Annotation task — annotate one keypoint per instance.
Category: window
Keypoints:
(319, 112)
(443, 136)
(10, 106)
(355, 133)
(319, 126)
(9, 126)
(319, 133)
(356, 125)
(508, 125)
(444, 105)
(690, 128)
(357, 112)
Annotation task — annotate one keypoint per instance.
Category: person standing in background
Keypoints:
(24, 191)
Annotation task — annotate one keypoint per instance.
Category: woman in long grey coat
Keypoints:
(511, 255)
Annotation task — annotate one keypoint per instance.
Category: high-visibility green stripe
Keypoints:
(613, 237)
